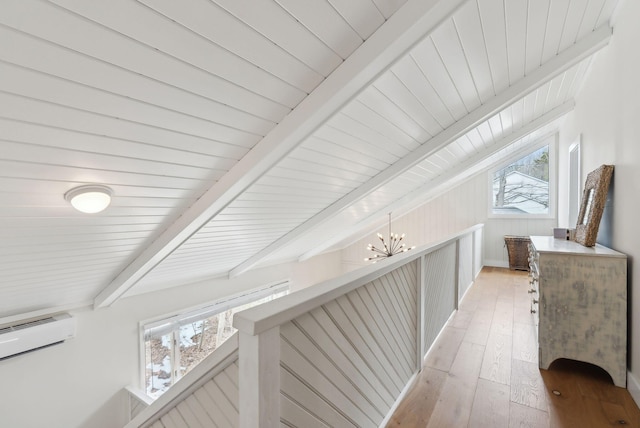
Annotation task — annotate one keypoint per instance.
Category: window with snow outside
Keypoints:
(522, 187)
(175, 345)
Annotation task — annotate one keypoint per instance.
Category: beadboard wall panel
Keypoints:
(439, 297)
(465, 264)
(157, 102)
(213, 404)
(455, 210)
(478, 238)
(492, 141)
(421, 95)
(344, 363)
(161, 101)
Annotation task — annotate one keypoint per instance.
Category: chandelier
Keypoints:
(394, 246)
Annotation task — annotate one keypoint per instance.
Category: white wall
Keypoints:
(79, 383)
(607, 115)
(462, 207)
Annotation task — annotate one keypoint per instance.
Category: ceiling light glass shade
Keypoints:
(89, 199)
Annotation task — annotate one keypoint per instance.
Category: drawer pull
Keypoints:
(533, 311)
(533, 290)
(535, 301)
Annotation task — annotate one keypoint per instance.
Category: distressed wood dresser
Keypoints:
(579, 298)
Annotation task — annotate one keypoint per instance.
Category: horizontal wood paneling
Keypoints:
(363, 15)
(385, 123)
(325, 22)
(289, 33)
(212, 22)
(51, 23)
(159, 101)
(183, 46)
(343, 178)
(156, 101)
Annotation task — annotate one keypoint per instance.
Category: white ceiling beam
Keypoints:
(431, 189)
(571, 56)
(410, 24)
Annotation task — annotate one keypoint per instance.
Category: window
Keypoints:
(522, 187)
(173, 346)
(574, 183)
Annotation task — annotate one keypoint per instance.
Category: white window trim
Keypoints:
(170, 322)
(552, 142)
(574, 149)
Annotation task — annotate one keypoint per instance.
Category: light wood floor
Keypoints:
(483, 371)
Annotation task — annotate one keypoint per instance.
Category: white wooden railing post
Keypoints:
(456, 282)
(473, 255)
(259, 379)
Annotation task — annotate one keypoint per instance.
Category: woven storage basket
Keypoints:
(518, 250)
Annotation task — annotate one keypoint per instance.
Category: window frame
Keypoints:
(552, 142)
(574, 182)
(176, 319)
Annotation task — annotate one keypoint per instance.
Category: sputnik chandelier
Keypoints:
(393, 247)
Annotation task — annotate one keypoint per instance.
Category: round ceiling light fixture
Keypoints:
(89, 199)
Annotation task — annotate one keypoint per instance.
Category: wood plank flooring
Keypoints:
(483, 372)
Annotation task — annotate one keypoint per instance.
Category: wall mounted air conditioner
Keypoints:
(29, 336)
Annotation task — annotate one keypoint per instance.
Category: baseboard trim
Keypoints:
(404, 392)
(497, 263)
(633, 386)
(413, 378)
(460, 298)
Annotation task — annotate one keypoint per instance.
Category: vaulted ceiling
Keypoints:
(236, 133)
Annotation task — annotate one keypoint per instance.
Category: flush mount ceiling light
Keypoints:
(89, 199)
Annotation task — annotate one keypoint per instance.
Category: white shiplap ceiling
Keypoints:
(241, 132)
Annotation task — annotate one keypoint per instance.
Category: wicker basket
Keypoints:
(518, 250)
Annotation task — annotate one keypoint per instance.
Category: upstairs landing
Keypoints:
(483, 371)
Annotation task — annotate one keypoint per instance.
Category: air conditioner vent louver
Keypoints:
(32, 323)
(28, 336)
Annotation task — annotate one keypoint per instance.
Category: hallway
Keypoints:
(483, 371)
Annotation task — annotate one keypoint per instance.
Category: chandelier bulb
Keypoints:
(390, 248)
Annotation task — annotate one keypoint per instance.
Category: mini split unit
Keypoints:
(29, 336)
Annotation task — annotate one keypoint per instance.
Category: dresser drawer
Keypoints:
(534, 283)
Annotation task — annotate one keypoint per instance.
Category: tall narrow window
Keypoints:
(174, 345)
(574, 183)
(522, 187)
